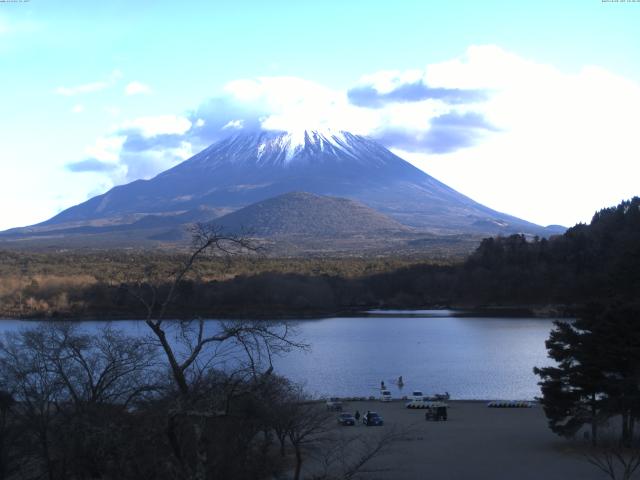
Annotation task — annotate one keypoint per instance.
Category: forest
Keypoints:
(600, 260)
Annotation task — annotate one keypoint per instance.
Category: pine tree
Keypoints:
(618, 332)
(572, 391)
(597, 374)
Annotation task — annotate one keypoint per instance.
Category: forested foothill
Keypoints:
(600, 260)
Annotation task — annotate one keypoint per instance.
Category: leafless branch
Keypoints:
(617, 461)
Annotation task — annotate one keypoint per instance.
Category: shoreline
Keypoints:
(461, 311)
(454, 401)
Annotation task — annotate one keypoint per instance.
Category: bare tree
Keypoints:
(37, 390)
(243, 346)
(7, 403)
(70, 389)
(307, 424)
(258, 340)
(615, 459)
(346, 457)
(107, 368)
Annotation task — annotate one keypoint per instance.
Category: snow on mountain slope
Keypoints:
(250, 167)
(283, 149)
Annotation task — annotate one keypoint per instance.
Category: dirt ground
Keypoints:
(476, 442)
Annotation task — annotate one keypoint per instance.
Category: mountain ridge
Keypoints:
(250, 167)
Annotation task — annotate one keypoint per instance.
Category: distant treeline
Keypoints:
(596, 261)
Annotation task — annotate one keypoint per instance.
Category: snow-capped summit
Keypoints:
(283, 148)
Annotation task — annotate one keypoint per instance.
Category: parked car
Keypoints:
(416, 396)
(372, 419)
(334, 404)
(385, 396)
(436, 413)
(346, 419)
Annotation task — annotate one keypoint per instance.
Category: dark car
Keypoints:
(372, 419)
(436, 413)
(334, 404)
(346, 419)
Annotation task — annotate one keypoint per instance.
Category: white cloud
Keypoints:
(159, 125)
(387, 80)
(147, 163)
(234, 124)
(78, 108)
(294, 104)
(568, 144)
(563, 146)
(91, 86)
(106, 149)
(137, 88)
(84, 88)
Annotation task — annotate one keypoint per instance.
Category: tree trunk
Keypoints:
(48, 461)
(201, 452)
(625, 429)
(178, 373)
(282, 438)
(268, 441)
(298, 463)
(594, 424)
(3, 446)
(173, 439)
(3, 467)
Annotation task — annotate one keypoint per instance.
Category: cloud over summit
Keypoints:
(369, 96)
(91, 165)
(487, 111)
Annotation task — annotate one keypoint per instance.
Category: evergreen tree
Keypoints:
(572, 391)
(597, 374)
(617, 330)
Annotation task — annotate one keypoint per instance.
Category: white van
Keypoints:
(385, 396)
(416, 396)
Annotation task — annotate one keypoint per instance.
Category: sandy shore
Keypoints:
(475, 443)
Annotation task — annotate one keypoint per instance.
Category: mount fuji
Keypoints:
(246, 168)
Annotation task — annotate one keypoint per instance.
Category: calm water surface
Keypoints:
(434, 351)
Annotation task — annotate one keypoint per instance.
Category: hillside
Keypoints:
(302, 213)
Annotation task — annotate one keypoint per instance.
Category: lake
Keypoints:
(468, 356)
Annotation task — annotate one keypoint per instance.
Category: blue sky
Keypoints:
(528, 107)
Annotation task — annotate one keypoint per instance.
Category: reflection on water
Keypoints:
(434, 351)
